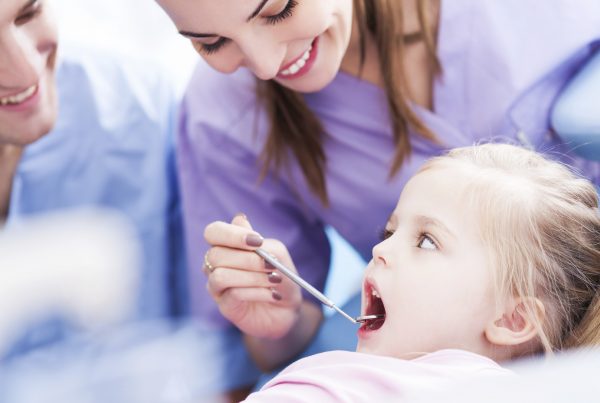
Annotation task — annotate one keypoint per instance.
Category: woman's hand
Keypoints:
(250, 293)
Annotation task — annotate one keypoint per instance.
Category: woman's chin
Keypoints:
(313, 81)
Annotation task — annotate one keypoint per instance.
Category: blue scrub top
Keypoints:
(112, 148)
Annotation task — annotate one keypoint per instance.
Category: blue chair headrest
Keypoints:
(576, 113)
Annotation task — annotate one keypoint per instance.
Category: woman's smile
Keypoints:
(302, 64)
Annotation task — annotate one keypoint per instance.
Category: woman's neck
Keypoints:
(10, 156)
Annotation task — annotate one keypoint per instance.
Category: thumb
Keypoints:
(241, 220)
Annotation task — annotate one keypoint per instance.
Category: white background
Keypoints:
(135, 27)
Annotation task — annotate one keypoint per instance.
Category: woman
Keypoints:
(110, 145)
(329, 107)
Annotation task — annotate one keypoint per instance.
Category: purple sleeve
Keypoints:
(219, 170)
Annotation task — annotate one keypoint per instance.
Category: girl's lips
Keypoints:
(287, 72)
(373, 305)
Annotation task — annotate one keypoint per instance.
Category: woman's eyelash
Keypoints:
(213, 47)
(209, 49)
(285, 13)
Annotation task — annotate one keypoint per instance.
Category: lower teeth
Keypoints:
(374, 324)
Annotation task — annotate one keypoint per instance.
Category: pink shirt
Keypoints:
(342, 376)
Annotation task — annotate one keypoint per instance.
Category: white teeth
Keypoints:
(294, 68)
(18, 98)
(375, 293)
(301, 62)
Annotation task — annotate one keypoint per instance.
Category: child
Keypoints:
(492, 253)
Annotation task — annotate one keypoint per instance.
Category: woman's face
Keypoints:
(28, 43)
(298, 43)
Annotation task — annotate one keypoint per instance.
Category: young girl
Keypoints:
(500, 262)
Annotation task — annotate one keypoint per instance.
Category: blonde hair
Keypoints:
(542, 226)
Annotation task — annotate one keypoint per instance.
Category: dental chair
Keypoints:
(576, 113)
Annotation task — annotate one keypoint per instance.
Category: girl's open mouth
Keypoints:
(375, 306)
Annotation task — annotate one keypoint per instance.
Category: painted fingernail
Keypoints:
(254, 240)
(269, 266)
(274, 278)
(276, 295)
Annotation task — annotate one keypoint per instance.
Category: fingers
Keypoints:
(234, 296)
(220, 256)
(233, 235)
(241, 220)
(224, 286)
(222, 279)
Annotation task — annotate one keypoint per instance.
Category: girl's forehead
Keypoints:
(443, 193)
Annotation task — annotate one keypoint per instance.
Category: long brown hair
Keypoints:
(294, 127)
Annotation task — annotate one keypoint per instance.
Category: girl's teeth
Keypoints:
(17, 99)
(375, 293)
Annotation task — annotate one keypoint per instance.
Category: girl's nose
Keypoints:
(379, 255)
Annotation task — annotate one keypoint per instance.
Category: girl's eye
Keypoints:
(285, 13)
(425, 242)
(385, 234)
(32, 11)
(210, 48)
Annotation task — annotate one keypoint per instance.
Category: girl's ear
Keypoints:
(516, 324)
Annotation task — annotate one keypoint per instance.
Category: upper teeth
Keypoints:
(298, 64)
(375, 293)
(18, 98)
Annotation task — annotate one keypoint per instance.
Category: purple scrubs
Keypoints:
(497, 58)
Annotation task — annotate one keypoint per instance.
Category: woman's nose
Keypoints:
(263, 59)
(263, 69)
(20, 61)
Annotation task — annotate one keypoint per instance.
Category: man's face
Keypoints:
(28, 45)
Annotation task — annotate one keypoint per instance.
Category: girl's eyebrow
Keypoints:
(429, 221)
(190, 34)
